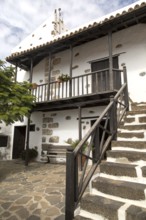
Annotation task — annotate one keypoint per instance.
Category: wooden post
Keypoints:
(16, 70)
(28, 121)
(111, 75)
(126, 96)
(71, 61)
(49, 76)
(80, 135)
(96, 150)
(70, 185)
(27, 142)
(80, 123)
(113, 119)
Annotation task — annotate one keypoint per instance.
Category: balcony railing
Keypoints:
(88, 84)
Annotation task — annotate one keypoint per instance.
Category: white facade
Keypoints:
(130, 46)
(129, 43)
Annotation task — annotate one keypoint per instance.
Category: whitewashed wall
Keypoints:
(62, 125)
(130, 44)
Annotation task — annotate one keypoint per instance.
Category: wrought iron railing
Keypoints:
(95, 82)
(78, 179)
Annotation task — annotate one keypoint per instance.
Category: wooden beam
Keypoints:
(27, 142)
(80, 123)
(31, 71)
(28, 120)
(110, 60)
(70, 71)
(49, 75)
(16, 70)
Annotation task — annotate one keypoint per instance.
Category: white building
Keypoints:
(67, 109)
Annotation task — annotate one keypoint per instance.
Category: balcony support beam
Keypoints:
(70, 71)
(110, 60)
(49, 76)
(28, 119)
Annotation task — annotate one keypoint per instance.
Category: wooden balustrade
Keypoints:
(88, 84)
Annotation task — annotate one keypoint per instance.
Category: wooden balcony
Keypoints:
(85, 89)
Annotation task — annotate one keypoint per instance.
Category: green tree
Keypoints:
(15, 98)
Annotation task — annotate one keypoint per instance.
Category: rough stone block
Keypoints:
(56, 61)
(102, 206)
(54, 139)
(144, 171)
(75, 67)
(135, 213)
(44, 125)
(47, 132)
(142, 119)
(129, 120)
(43, 139)
(123, 189)
(87, 71)
(68, 117)
(47, 120)
(55, 72)
(53, 125)
(53, 114)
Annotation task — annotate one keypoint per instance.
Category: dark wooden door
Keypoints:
(19, 141)
(100, 81)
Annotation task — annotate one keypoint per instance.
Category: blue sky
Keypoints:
(18, 18)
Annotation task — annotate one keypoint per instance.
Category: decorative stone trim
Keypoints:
(53, 125)
(54, 139)
(68, 118)
(47, 132)
(47, 120)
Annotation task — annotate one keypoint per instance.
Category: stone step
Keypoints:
(118, 188)
(81, 218)
(131, 156)
(102, 206)
(144, 171)
(130, 135)
(118, 169)
(129, 120)
(133, 127)
(138, 106)
(130, 144)
(142, 119)
(135, 213)
(136, 112)
(109, 209)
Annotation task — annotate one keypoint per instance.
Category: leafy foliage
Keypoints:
(15, 98)
(74, 143)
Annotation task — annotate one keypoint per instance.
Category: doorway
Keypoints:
(100, 81)
(19, 141)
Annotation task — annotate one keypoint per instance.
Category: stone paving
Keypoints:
(35, 192)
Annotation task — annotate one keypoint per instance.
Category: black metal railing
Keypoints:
(77, 180)
(95, 82)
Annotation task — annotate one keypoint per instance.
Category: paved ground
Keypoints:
(31, 193)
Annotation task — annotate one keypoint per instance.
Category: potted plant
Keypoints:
(34, 85)
(63, 78)
(74, 143)
(32, 154)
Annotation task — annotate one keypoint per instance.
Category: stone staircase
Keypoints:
(118, 191)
